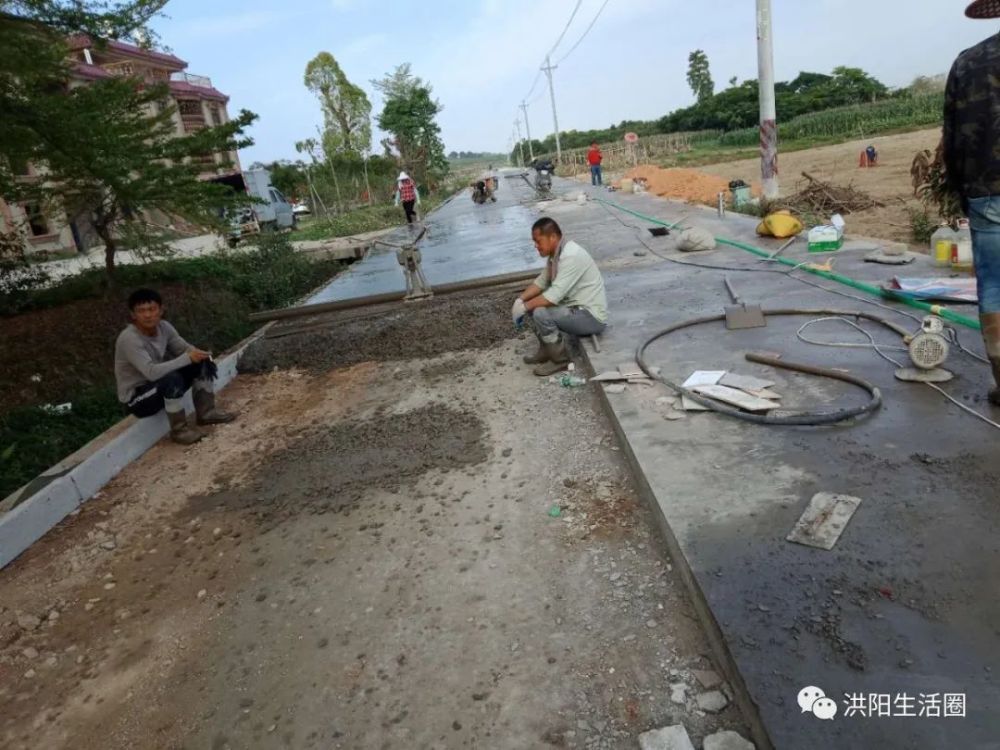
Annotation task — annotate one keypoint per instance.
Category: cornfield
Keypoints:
(859, 121)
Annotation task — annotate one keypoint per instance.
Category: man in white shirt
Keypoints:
(566, 298)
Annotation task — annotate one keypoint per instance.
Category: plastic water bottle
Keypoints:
(963, 243)
(941, 242)
(569, 380)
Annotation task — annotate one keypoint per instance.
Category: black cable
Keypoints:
(814, 418)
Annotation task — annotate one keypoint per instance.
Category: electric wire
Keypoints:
(951, 333)
(587, 31)
(878, 350)
(566, 27)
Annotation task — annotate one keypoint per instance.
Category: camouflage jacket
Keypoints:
(972, 121)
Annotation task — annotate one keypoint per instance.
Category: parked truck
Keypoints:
(275, 212)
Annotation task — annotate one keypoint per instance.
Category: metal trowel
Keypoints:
(741, 315)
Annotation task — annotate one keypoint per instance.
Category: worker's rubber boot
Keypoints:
(539, 357)
(558, 359)
(204, 407)
(180, 431)
(990, 323)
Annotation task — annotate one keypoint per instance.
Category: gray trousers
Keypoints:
(550, 321)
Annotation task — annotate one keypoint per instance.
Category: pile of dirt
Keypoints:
(683, 184)
(329, 470)
(411, 331)
(825, 199)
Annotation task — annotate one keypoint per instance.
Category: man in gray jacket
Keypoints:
(567, 298)
(154, 368)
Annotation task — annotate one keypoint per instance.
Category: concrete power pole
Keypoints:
(520, 149)
(548, 68)
(527, 127)
(768, 112)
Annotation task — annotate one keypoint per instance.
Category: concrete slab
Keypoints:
(903, 606)
(463, 242)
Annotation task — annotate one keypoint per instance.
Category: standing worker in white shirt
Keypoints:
(566, 298)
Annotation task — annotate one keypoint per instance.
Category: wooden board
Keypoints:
(735, 397)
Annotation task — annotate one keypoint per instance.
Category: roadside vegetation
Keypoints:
(58, 341)
(814, 109)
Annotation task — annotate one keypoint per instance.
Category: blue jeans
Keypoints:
(549, 321)
(984, 219)
(595, 174)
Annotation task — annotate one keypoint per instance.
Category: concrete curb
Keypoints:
(63, 488)
(713, 633)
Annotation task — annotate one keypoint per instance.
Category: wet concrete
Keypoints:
(464, 241)
(905, 603)
(472, 320)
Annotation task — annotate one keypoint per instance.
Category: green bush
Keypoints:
(858, 121)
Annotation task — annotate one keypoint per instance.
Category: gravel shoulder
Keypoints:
(430, 552)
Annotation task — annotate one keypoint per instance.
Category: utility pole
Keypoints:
(520, 149)
(548, 68)
(527, 127)
(768, 111)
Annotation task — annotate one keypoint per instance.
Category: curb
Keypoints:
(53, 495)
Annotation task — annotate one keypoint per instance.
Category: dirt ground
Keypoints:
(888, 183)
(372, 556)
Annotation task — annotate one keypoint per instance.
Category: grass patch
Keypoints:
(360, 220)
(60, 347)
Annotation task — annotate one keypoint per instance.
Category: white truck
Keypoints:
(275, 212)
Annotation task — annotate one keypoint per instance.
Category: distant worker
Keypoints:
(567, 297)
(154, 368)
(406, 191)
(594, 159)
(972, 163)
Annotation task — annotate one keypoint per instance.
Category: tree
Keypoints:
(107, 149)
(346, 108)
(699, 77)
(408, 114)
(133, 162)
(34, 65)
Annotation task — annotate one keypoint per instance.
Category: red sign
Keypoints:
(631, 138)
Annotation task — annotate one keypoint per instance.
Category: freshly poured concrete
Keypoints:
(906, 603)
(463, 241)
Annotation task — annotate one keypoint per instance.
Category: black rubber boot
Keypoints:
(180, 431)
(558, 359)
(990, 323)
(204, 407)
(538, 357)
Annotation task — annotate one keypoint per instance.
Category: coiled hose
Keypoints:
(807, 418)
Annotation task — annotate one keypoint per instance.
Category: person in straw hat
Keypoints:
(406, 191)
(971, 147)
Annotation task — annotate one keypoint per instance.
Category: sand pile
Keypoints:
(682, 184)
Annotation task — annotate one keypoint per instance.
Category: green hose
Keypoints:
(875, 291)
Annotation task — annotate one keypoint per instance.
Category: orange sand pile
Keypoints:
(682, 184)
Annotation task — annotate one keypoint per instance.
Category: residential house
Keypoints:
(197, 104)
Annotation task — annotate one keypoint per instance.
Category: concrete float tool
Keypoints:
(740, 315)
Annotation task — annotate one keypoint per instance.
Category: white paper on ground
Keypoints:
(704, 377)
(735, 397)
(689, 405)
(744, 382)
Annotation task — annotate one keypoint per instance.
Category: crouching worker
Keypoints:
(154, 367)
(567, 298)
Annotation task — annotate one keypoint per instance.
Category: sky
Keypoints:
(482, 57)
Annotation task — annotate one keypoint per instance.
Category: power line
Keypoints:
(566, 27)
(558, 41)
(587, 31)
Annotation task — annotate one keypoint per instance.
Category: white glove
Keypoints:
(518, 311)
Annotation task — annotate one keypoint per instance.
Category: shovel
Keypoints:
(740, 315)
